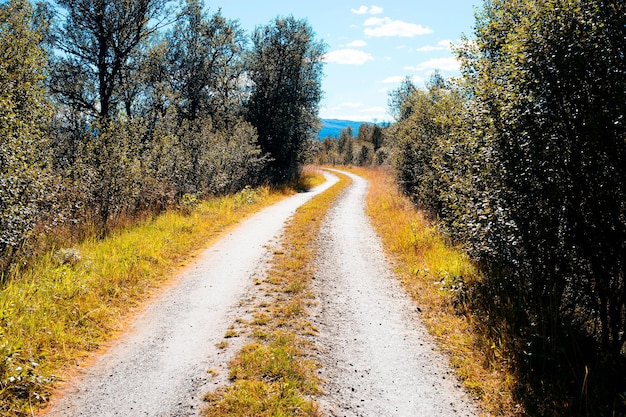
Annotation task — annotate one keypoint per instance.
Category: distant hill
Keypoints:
(332, 127)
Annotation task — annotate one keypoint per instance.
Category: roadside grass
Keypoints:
(435, 274)
(276, 373)
(310, 178)
(56, 313)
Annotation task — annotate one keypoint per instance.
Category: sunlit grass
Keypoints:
(70, 301)
(276, 374)
(311, 177)
(434, 273)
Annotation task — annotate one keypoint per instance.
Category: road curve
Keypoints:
(377, 358)
(160, 367)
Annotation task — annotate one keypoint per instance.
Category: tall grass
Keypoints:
(63, 307)
(437, 275)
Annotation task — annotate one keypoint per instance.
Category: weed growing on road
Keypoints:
(71, 300)
(274, 375)
(434, 274)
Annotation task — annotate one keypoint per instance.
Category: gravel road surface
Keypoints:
(378, 359)
(160, 367)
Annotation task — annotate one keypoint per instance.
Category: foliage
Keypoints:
(284, 68)
(26, 191)
(172, 127)
(205, 62)
(232, 161)
(428, 118)
(525, 165)
(99, 41)
(367, 148)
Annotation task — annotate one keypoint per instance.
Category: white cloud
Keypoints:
(443, 64)
(441, 46)
(367, 10)
(374, 110)
(348, 57)
(357, 44)
(378, 27)
(394, 80)
(352, 105)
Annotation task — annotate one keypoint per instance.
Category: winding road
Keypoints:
(377, 359)
(160, 367)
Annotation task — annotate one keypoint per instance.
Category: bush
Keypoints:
(525, 164)
(26, 191)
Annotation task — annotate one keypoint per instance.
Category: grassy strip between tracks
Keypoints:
(431, 271)
(275, 374)
(56, 314)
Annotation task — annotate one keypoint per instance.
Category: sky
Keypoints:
(372, 47)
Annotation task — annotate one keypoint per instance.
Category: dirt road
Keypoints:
(377, 357)
(160, 367)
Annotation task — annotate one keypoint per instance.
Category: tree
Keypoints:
(377, 137)
(205, 59)
(365, 132)
(96, 79)
(25, 178)
(548, 79)
(284, 68)
(98, 41)
(399, 103)
(429, 117)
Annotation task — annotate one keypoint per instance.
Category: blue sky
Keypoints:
(371, 46)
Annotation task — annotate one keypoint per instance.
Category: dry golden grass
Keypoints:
(431, 270)
(275, 374)
(71, 301)
(311, 177)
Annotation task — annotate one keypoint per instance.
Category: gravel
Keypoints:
(377, 357)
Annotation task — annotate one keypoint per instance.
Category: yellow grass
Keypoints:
(73, 299)
(431, 271)
(311, 177)
(275, 374)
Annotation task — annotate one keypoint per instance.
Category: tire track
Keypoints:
(377, 358)
(159, 368)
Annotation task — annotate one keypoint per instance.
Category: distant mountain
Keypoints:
(332, 127)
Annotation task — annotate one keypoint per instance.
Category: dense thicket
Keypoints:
(523, 160)
(114, 109)
(25, 176)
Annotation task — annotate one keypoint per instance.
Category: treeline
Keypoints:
(368, 147)
(523, 159)
(114, 109)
